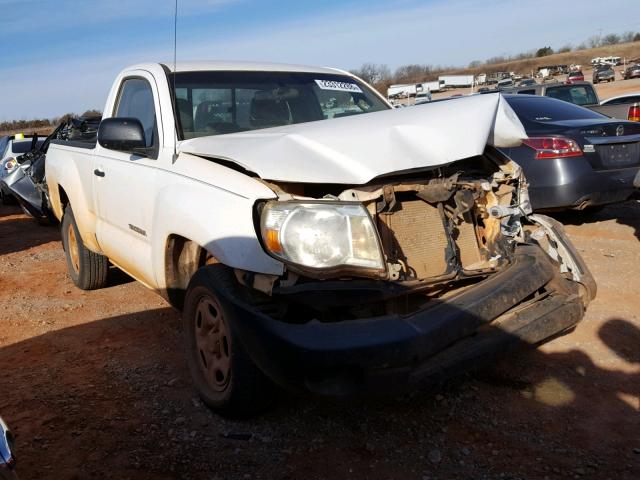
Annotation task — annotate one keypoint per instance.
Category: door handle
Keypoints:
(99, 173)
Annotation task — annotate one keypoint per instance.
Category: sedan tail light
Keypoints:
(634, 113)
(553, 147)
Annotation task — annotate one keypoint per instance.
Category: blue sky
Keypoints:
(58, 56)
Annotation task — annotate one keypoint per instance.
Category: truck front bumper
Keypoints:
(394, 351)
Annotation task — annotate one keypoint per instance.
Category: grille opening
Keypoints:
(415, 234)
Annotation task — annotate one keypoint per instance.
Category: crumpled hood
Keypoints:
(354, 150)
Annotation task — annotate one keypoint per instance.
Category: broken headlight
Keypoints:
(322, 236)
(10, 165)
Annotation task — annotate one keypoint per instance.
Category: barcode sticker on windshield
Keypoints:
(338, 86)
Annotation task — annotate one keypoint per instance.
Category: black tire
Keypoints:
(591, 209)
(223, 373)
(88, 270)
(45, 221)
(7, 199)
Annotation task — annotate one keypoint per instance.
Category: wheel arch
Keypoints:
(182, 259)
(205, 225)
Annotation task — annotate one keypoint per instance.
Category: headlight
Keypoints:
(322, 236)
(10, 165)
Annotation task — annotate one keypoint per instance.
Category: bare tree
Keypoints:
(627, 37)
(611, 39)
(594, 41)
(373, 73)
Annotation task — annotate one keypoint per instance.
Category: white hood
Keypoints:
(354, 150)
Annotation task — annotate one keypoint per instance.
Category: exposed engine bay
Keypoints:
(441, 232)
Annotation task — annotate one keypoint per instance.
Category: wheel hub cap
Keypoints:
(213, 343)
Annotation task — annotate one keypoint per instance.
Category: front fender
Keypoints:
(216, 219)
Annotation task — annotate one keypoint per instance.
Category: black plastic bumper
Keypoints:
(346, 357)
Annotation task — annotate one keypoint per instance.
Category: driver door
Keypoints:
(124, 183)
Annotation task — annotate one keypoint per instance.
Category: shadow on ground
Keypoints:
(14, 225)
(113, 399)
(624, 213)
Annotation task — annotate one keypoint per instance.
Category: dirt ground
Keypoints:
(95, 386)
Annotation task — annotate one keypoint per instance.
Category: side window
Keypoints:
(527, 92)
(136, 101)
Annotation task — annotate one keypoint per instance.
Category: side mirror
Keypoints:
(123, 135)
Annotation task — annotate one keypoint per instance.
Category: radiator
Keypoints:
(414, 235)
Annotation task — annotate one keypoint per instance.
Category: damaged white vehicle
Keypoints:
(314, 237)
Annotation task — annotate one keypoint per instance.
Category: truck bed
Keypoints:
(620, 111)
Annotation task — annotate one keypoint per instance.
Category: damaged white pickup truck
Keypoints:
(314, 237)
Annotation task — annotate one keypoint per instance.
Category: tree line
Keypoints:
(26, 125)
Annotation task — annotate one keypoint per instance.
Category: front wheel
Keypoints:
(88, 270)
(223, 373)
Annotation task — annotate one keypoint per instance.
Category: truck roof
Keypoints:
(226, 65)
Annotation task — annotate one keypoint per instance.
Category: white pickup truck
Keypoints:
(314, 237)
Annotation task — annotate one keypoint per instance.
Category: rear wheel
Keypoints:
(88, 270)
(223, 373)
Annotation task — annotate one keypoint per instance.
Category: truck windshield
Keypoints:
(220, 102)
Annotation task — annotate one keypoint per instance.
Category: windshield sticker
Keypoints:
(338, 86)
